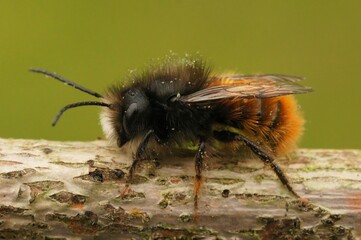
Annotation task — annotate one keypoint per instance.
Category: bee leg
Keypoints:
(139, 154)
(268, 159)
(198, 179)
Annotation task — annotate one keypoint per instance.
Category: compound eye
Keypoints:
(128, 115)
(131, 111)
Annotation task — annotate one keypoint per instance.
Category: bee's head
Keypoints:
(128, 115)
(125, 111)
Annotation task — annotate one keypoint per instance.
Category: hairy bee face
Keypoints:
(127, 116)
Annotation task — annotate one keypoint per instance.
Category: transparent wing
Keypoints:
(255, 86)
(276, 77)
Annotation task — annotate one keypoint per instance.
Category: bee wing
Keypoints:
(255, 86)
(276, 77)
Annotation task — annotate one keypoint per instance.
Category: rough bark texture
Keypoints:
(57, 190)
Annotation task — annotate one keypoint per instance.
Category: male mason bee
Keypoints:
(181, 100)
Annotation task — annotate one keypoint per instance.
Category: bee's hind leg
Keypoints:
(269, 160)
(198, 179)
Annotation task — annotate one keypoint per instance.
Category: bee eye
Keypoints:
(128, 115)
(132, 109)
(135, 112)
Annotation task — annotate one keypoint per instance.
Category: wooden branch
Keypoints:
(76, 189)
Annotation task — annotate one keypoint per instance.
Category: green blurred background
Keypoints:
(95, 43)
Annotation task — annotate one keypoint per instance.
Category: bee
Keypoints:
(181, 100)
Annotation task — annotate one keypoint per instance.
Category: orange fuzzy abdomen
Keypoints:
(274, 123)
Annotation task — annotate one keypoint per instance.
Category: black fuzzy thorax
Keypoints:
(171, 120)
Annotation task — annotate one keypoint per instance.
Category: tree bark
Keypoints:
(63, 190)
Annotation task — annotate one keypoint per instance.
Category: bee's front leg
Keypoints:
(139, 154)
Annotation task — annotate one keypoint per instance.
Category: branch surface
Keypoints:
(77, 189)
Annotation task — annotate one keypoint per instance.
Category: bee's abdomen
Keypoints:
(274, 122)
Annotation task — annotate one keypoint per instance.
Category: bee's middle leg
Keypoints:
(198, 179)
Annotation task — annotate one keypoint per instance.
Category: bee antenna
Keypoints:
(78, 104)
(67, 82)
